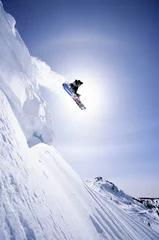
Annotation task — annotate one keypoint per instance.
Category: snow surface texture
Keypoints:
(41, 197)
(143, 210)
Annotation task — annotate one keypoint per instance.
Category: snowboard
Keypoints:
(77, 100)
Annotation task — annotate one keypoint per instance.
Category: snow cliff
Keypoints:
(41, 197)
(19, 81)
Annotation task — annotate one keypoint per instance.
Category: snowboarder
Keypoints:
(71, 89)
(75, 85)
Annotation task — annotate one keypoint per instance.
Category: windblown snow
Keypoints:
(41, 197)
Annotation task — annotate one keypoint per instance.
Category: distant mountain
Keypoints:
(145, 210)
(150, 203)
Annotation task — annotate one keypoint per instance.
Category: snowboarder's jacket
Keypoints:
(75, 85)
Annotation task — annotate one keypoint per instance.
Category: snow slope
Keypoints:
(143, 210)
(41, 197)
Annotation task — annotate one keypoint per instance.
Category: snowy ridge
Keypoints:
(150, 202)
(41, 197)
(19, 81)
(108, 188)
(143, 209)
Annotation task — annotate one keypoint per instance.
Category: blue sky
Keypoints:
(112, 46)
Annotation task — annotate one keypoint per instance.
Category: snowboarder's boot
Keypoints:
(78, 95)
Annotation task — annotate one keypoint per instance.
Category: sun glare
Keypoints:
(93, 94)
(90, 97)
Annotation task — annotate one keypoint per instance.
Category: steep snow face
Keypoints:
(143, 210)
(19, 81)
(37, 189)
(43, 198)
